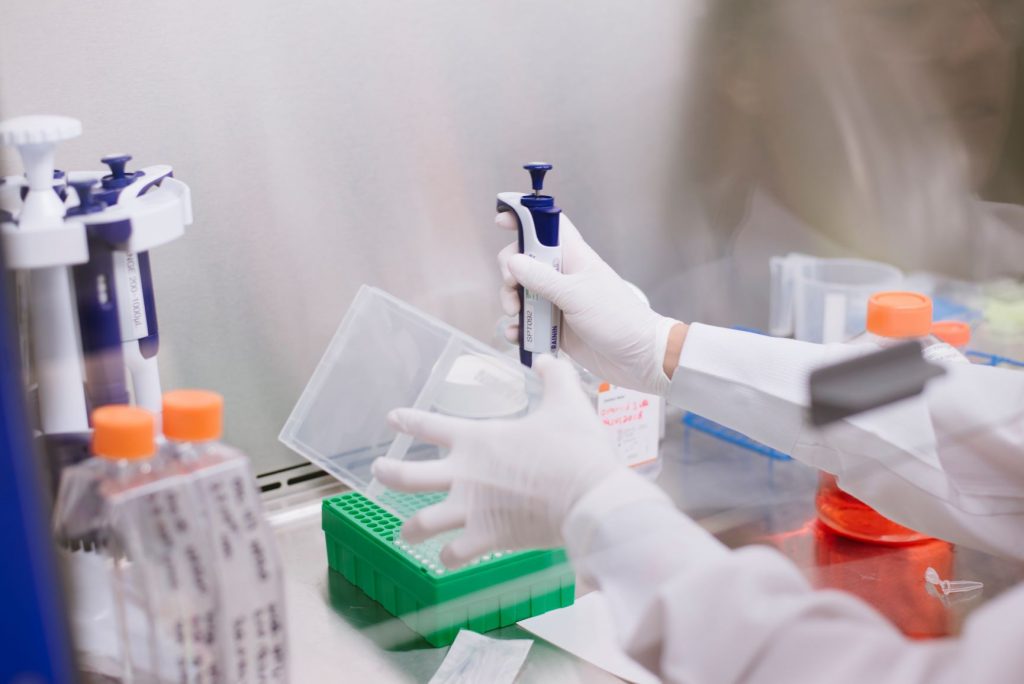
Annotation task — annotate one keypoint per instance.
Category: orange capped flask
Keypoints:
(139, 557)
(248, 569)
(193, 416)
(893, 317)
(954, 333)
(124, 440)
(123, 434)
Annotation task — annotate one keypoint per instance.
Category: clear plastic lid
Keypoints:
(388, 354)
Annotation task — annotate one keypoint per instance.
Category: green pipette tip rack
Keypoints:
(409, 581)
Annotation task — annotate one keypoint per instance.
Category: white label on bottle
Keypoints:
(130, 301)
(632, 419)
(250, 574)
(169, 581)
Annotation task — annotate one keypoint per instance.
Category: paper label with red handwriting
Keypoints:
(633, 419)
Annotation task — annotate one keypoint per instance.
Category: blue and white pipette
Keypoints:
(158, 204)
(39, 241)
(98, 313)
(537, 217)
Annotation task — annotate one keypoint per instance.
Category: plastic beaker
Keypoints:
(825, 300)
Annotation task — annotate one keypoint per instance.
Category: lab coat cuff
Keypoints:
(617, 492)
(660, 382)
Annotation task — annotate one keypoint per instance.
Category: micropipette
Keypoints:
(134, 284)
(537, 225)
(98, 315)
(44, 244)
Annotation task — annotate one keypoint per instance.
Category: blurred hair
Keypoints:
(717, 135)
(858, 165)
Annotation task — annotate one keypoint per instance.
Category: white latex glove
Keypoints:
(511, 483)
(606, 327)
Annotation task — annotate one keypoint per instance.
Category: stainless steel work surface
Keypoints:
(741, 496)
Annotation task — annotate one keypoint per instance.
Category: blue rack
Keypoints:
(984, 359)
(710, 427)
(947, 310)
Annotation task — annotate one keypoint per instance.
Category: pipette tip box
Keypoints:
(409, 581)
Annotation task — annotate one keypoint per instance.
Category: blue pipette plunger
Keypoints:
(537, 171)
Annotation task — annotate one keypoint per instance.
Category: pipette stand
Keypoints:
(50, 234)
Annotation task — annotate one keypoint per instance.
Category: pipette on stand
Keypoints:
(98, 313)
(39, 241)
(13, 190)
(157, 207)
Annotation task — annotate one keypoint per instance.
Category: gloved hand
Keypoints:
(511, 482)
(606, 327)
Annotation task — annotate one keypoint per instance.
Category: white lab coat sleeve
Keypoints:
(949, 463)
(690, 610)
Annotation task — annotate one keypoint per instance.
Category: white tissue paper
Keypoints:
(475, 658)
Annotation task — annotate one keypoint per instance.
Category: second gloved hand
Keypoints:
(606, 327)
(511, 483)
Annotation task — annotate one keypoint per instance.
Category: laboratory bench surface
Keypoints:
(338, 633)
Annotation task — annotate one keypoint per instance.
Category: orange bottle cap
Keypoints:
(123, 432)
(899, 314)
(956, 333)
(192, 415)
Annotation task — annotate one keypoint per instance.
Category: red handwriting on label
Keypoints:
(624, 419)
(625, 412)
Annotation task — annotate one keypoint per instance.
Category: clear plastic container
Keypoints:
(250, 623)
(388, 354)
(892, 318)
(141, 568)
(824, 300)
